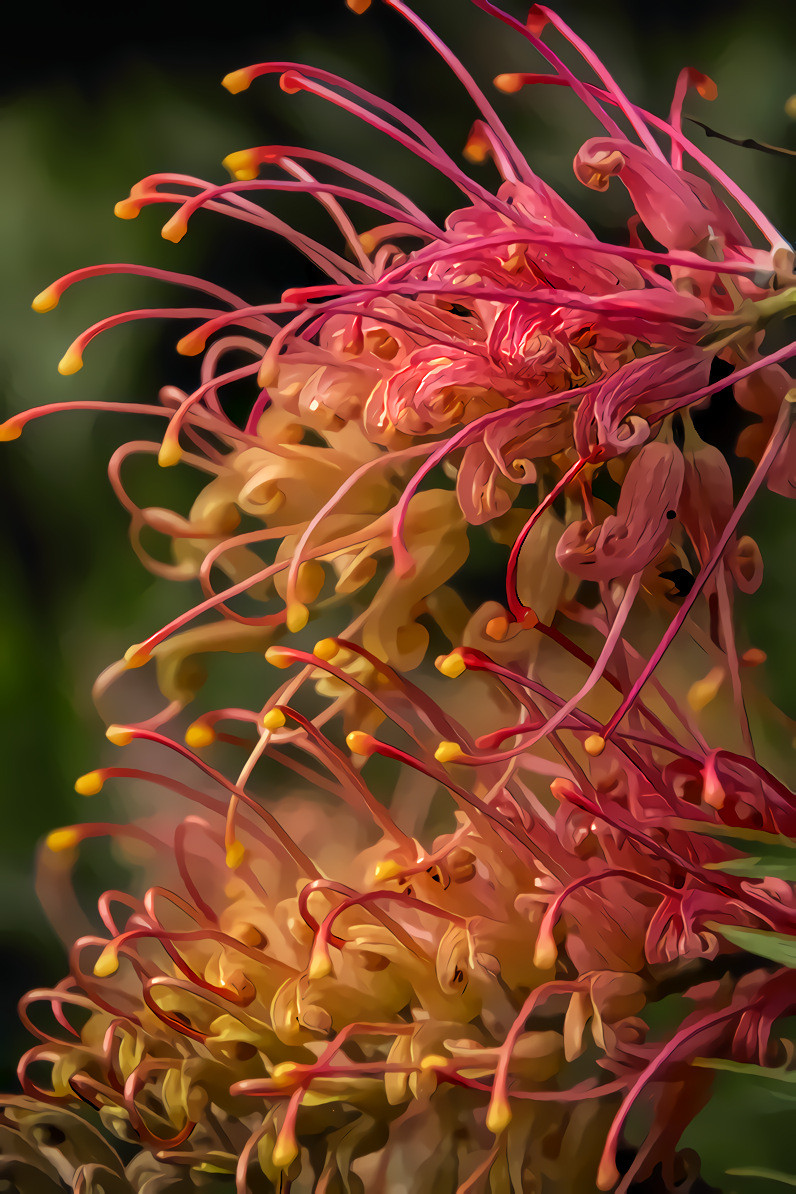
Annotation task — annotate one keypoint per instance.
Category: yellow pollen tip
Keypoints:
(607, 1175)
(199, 735)
(545, 953)
(9, 430)
(326, 649)
(107, 963)
(508, 83)
(70, 362)
(127, 209)
(320, 967)
(170, 453)
(62, 839)
(790, 107)
(235, 853)
(174, 229)
(448, 752)
(285, 1151)
(237, 81)
(46, 301)
(704, 691)
(278, 657)
(119, 735)
(594, 745)
(433, 1062)
(242, 164)
(358, 6)
(135, 656)
(274, 719)
(451, 665)
(89, 784)
(284, 1073)
(297, 617)
(498, 1117)
(359, 743)
(386, 870)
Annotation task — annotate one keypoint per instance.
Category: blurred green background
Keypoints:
(86, 113)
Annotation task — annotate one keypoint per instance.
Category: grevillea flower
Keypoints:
(435, 968)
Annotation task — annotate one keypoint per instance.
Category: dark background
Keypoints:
(96, 98)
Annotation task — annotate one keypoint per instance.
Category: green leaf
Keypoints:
(777, 947)
(772, 1175)
(778, 1073)
(776, 864)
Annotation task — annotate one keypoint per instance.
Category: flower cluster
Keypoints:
(428, 958)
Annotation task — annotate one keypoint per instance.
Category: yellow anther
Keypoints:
(278, 657)
(46, 301)
(62, 839)
(448, 752)
(386, 870)
(199, 735)
(497, 628)
(359, 743)
(285, 1151)
(70, 362)
(704, 691)
(89, 784)
(170, 453)
(498, 1117)
(368, 241)
(433, 1062)
(9, 430)
(136, 656)
(451, 665)
(235, 854)
(107, 963)
(119, 735)
(297, 617)
(594, 745)
(175, 228)
(326, 648)
(508, 83)
(310, 580)
(127, 209)
(790, 107)
(235, 82)
(190, 345)
(320, 966)
(274, 719)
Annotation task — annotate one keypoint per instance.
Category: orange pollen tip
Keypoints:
(90, 783)
(530, 619)
(235, 854)
(476, 149)
(9, 430)
(119, 735)
(451, 665)
(753, 657)
(508, 83)
(136, 656)
(237, 80)
(326, 649)
(545, 953)
(127, 209)
(706, 87)
(199, 735)
(61, 840)
(170, 452)
(70, 362)
(174, 229)
(594, 745)
(242, 164)
(46, 301)
(448, 752)
(497, 629)
(537, 19)
(297, 617)
(284, 1074)
(285, 1151)
(607, 1174)
(274, 719)
(358, 6)
(278, 657)
(360, 743)
(190, 345)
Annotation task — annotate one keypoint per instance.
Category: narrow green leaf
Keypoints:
(786, 1179)
(777, 947)
(778, 1073)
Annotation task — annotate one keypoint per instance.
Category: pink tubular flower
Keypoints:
(428, 959)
